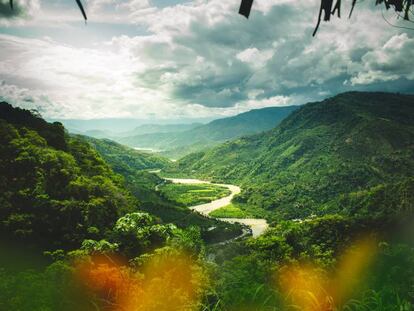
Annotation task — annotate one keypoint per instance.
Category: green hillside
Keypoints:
(71, 205)
(135, 167)
(176, 144)
(322, 159)
(124, 158)
(55, 190)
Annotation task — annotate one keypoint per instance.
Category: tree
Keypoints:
(328, 9)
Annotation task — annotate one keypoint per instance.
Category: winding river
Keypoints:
(258, 226)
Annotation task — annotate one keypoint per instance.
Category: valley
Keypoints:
(257, 226)
(206, 155)
(221, 228)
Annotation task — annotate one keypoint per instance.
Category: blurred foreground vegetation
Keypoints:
(83, 227)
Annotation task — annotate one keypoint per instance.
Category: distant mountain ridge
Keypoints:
(151, 128)
(139, 130)
(177, 144)
(120, 125)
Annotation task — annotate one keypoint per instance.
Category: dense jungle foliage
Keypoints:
(83, 226)
(55, 190)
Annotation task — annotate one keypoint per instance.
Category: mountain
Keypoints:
(139, 130)
(176, 144)
(158, 128)
(123, 158)
(58, 190)
(133, 165)
(55, 190)
(116, 126)
(352, 153)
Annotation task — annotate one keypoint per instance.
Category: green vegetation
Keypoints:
(350, 262)
(193, 194)
(124, 159)
(63, 207)
(55, 191)
(179, 143)
(354, 145)
(250, 211)
(335, 178)
(230, 211)
(134, 166)
(94, 278)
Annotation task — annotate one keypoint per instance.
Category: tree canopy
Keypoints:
(327, 8)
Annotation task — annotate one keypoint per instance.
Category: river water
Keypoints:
(258, 226)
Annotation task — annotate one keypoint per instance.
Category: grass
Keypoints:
(193, 194)
(229, 211)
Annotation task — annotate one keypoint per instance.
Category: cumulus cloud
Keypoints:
(212, 56)
(394, 60)
(255, 57)
(85, 82)
(202, 58)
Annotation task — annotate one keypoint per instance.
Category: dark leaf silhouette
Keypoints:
(82, 10)
(326, 9)
(337, 8)
(352, 8)
(77, 1)
(245, 7)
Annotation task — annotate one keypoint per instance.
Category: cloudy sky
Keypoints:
(177, 59)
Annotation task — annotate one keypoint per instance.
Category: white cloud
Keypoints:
(91, 83)
(202, 58)
(255, 57)
(394, 60)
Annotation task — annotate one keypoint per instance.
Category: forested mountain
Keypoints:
(55, 190)
(123, 158)
(177, 144)
(133, 165)
(352, 153)
(67, 221)
(58, 190)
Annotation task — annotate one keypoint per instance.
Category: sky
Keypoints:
(172, 59)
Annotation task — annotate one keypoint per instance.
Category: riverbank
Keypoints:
(257, 226)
